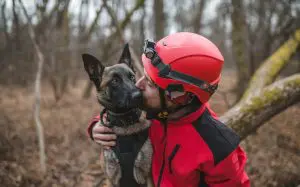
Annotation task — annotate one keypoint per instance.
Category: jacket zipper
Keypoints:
(162, 166)
(172, 155)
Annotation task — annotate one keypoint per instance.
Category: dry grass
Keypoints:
(69, 151)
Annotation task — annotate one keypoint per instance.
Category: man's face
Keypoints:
(151, 99)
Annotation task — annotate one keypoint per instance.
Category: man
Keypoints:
(191, 147)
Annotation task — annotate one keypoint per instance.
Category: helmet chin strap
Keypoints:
(178, 98)
(163, 115)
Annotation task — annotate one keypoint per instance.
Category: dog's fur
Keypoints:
(115, 86)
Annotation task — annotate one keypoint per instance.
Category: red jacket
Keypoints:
(196, 151)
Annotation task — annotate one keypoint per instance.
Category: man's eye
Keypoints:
(132, 78)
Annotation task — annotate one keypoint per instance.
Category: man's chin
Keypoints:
(149, 109)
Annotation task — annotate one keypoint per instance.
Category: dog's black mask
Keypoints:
(115, 84)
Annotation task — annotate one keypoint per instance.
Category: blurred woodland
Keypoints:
(47, 99)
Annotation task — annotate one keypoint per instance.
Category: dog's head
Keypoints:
(115, 84)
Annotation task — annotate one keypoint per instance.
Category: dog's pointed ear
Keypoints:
(126, 56)
(94, 68)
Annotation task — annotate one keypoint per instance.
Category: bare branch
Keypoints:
(7, 37)
(37, 91)
(120, 27)
(136, 62)
(247, 116)
(114, 20)
(127, 18)
(94, 23)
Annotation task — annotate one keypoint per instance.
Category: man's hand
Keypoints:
(104, 136)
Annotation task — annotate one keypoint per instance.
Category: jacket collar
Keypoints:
(189, 117)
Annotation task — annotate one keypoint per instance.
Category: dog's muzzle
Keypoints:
(137, 98)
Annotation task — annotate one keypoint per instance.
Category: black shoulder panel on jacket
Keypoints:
(221, 139)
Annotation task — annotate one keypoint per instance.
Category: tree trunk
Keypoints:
(239, 45)
(3, 15)
(142, 28)
(197, 20)
(247, 116)
(37, 91)
(260, 103)
(16, 27)
(62, 61)
(159, 25)
(268, 71)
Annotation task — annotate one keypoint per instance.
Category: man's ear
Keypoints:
(126, 57)
(94, 68)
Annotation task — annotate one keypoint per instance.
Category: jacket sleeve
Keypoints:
(230, 172)
(91, 125)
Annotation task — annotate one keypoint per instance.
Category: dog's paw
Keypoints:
(112, 167)
(139, 175)
(142, 164)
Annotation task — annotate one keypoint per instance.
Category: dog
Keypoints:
(129, 162)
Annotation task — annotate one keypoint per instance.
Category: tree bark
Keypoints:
(37, 91)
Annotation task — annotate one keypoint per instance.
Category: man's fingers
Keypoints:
(101, 129)
(106, 147)
(105, 137)
(106, 143)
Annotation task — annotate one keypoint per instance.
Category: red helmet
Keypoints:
(184, 62)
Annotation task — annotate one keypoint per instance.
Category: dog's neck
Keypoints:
(123, 119)
(126, 123)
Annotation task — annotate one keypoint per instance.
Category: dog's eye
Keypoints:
(115, 81)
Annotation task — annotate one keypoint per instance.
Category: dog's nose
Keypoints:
(137, 97)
